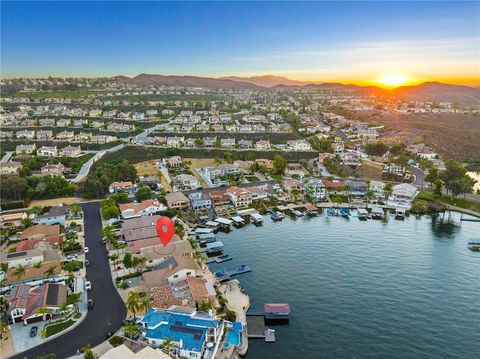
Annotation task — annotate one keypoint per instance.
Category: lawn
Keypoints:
(57, 328)
(336, 198)
(200, 162)
(252, 178)
(149, 168)
(459, 202)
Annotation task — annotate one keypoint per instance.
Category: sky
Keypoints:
(349, 42)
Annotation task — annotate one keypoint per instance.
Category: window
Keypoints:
(175, 276)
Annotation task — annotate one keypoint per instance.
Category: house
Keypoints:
(299, 145)
(209, 141)
(25, 134)
(12, 220)
(199, 200)
(402, 195)
(258, 192)
(245, 144)
(25, 149)
(175, 162)
(53, 170)
(295, 169)
(71, 151)
(144, 208)
(10, 168)
(240, 197)
(190, 330)
(351, 158)
(177, 200)
(212, 173)
(268, 164)
(333, 186)
(293, 187)
(175, 141)
(23, 258)
(126, 186)
(262, 145)
(187, 181)
(377, 188)
(24, 301)
(227, 142)
(65, 136)
(170, 271)
(44, 135)
(55, 215)
(124, 352)
(356, 188)
(151, 181)
(140, 228)
(338, 148)
(315, 190)
(46, 151)
(220, 200)
(395, 170)
(39, 231)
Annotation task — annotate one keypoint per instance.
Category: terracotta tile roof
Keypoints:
(32, 272)
(237, 191)
(162, 297)
(40, 230)
(198, 288)
(30, 243)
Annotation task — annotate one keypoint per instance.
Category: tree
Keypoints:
(76, 209)
(27, 222)
(50, 271)
(143, 193)
(167, 344)
(38, 264)
(13, 187)
(279, 165)
(19, 271)
(199, 142)
(133, 302)
(114, 258)
(145, 304)
(127, 260)
(433, 175)
(217, 161)
(87, 352)
(228, 157)
(4, 267)
(130, 329)
(438, 187)
(205, 305)
(376, 148)
(43, 311)
(456, 179)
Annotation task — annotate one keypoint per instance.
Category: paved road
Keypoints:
(6, 157)
(419, 176)
(109, 310)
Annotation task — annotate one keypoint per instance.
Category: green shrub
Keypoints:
(116, 340)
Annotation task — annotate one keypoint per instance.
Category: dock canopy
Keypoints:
(378, 210)
(311, 207)
(212, 224)
(199, 231)
(277, 308)
(256, 216)
(224, 221)
(238, 219)
(362, 211)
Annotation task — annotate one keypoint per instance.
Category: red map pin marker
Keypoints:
(165, 229)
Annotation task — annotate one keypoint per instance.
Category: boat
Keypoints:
(362, 214)
(297, 213)
(345, 212)
(377, 213)
(474, 246)
(332, 212)
(277, 216)
(257, 219)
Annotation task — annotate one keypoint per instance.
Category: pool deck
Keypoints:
(239, 303)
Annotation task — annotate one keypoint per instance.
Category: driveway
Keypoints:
(109, 310)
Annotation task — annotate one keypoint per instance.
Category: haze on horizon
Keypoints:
(367, 43)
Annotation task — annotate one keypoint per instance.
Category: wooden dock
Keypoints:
(268, 335)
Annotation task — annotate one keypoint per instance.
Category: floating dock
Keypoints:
(345, 212)
(256, 218)
(277, 216)
(224, 276)
(311, 210)
(219, 259)
(272, 311)
(238, 221)
(362, 214)
(377, 213)
(268, 335)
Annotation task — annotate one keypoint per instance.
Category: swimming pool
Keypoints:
(234, 337)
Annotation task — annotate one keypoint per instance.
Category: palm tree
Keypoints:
(145, 304)
(64, 307)
(141, 262)
(38, 264)
(133, 302)
(75, 208)
(19, 272)
(43, 310)
(114, 258)
(50, 271)
(167, 344)
(130, 329)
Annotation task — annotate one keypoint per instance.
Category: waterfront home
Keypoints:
(240, 197)
(356, 188)
(139, 228)
(293, 187)
(12, 220)
(333, 186)
(220, 200)
(71, 151)
(377, 187)
(177, 200)
(39, 231)
(55, 215)
(315, 190)
(126, 186)
(124, 352)
(25, 301)
(245, 144)
(46, 151)
(171, 270)
(200, 200)
(151, 181)
(25, 149)
(10, 168)
(402, 195)
(144, 208)
(299, 145)
(187, 181)
(196, 334)
(258, 192)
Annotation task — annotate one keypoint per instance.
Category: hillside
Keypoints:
(266, 80)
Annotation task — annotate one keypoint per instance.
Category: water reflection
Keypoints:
(444, 226)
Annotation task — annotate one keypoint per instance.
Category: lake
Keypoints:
(394, 289)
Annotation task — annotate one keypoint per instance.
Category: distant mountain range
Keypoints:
(428, 91)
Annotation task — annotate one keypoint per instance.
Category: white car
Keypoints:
(85, 250)
(88, 285)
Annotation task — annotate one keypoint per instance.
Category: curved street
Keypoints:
(109, 310)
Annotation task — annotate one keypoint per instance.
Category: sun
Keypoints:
(393, 80)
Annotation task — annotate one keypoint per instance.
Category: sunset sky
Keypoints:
(382, 43)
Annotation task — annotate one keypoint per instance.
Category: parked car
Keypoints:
(33, 331)
(90, 304)
(87, 263)
(88, 285)
(85, 250)
(76, 268)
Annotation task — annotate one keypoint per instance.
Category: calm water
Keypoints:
(358, 289)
